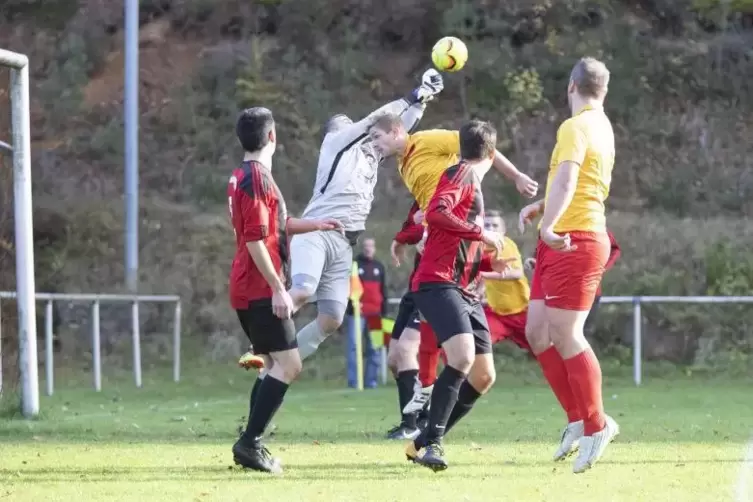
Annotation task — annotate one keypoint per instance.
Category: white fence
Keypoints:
(637, 301)
(96, 301)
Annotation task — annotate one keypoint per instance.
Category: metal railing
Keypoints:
(637, 301)
(96, 300)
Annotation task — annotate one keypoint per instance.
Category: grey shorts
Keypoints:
(325, 259)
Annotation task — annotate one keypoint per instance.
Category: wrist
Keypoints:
(277, 286)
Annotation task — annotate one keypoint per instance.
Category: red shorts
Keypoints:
(569, 279)
(511, 327)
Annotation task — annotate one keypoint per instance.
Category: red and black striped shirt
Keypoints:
(455, 215)
(258, 213)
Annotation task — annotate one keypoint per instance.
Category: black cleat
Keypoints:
(403, 432)
(257, 458)
(433, 458)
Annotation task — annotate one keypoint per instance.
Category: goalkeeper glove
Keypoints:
(431, 85)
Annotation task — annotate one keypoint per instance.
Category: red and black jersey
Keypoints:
(455, 215)
(258, 213)
(410, 232)
(374, 298)
(614, 255)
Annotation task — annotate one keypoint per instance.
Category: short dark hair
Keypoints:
(478, 140)
(253, 128)
(493, 213)
(591, 77)
(388, 121)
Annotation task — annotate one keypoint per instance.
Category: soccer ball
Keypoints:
(449, 54)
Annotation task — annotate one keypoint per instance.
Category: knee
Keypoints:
(482, 379)
(328, 324)
(537, 336)
(292, 368)
(330, 315)
(461, 360)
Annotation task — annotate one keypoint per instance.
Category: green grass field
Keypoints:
(682, 440)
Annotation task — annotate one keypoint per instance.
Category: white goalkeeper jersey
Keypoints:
(346, 174)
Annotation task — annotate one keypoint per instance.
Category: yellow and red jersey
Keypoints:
(508, 297)
(427, 155)
(586, 139)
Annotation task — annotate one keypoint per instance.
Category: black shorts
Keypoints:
(267, 332)
(407, 316)
(449, 312)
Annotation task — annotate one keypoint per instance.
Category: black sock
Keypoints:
(406, 382)
(443, 399)
(467, 397)
(268, 400)
(254, 393)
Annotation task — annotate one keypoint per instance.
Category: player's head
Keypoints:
(478, 140)
(589, 81)
(369, 248)
(256, 130)
(336, 123)
(388, 134)
(493, 221)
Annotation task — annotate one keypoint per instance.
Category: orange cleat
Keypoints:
(249, 360)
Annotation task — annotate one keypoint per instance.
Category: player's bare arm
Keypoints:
(282, 304)
(528, 213)
(558, 199)
(303, 226)
(525, 185)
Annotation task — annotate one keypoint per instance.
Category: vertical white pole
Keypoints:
(176, 343)
(48, 361)
(96, 347)
(131, 112)
(136, 343)
(637, 341)
(25, 288)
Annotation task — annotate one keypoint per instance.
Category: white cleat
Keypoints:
(592, 447)
(569, 441)
(420, 397)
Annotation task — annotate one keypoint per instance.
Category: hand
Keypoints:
(422, 243)
(431, 85)
(282, 304)
(502, 265)
(557, 241)
(527, 214)
(526, 186)
(397, 251)
(529, 263)
(495, 240)
(418, 217)
(329, 224)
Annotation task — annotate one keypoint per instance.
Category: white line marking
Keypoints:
(745, 478)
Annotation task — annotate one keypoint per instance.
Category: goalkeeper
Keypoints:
(344, 190)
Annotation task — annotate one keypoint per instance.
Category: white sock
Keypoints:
(309, 339)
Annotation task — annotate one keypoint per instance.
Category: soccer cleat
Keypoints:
(433, 458)
(592, 447)
(249, 360)
(402, 432)
(571, 435)
(419, 400)
(257, 458)
(411, 453)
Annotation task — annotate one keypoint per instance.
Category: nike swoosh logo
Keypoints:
(547, 297)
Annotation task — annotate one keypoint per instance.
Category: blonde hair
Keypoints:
(591, 77)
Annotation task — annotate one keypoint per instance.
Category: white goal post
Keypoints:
(21, 151)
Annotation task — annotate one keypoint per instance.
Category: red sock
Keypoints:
(584, 374)
(555, 372)
(428, 355)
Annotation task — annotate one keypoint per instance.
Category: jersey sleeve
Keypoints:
(442, 141)
(254, 208)
(511, 252)
(439, 212)
(410, 232)
(571, 144)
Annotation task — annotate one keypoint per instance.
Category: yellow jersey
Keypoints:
(588, 140)
(427, 155)
(508, 297)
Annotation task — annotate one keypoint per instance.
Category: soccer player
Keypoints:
(422, 159)
(449, 266)
(506, 310)
(344, 190)
(571, 255)
(258, 278)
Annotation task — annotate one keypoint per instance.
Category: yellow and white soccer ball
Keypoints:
(449, 54)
